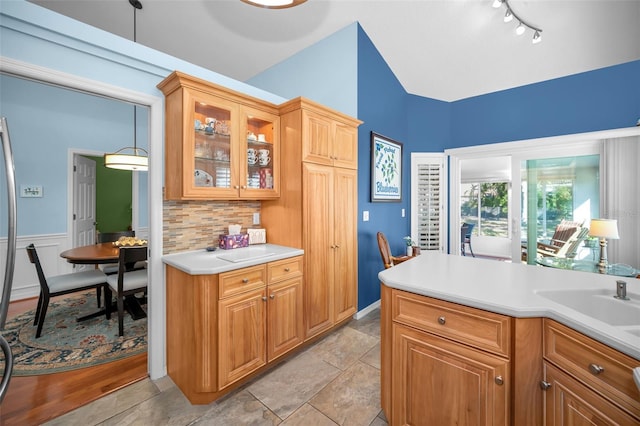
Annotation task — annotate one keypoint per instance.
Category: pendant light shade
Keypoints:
(138, 159)
(274, 4)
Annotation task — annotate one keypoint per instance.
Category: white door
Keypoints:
(84, 201)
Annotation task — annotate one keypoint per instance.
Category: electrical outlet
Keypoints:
(256, 218)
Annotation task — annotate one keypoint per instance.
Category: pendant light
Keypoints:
(138, 160)
(274, 4)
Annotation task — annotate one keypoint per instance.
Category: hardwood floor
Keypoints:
(32, 400)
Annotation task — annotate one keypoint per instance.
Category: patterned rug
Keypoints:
(68, 345)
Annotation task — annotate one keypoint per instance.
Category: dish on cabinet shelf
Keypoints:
(203, 178)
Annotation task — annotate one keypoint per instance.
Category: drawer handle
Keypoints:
(596, 369)
(287, 269)
(544, 385)
(245, 280)
(442, 320)
(499, 380)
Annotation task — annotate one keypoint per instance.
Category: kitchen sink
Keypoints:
(599, 304)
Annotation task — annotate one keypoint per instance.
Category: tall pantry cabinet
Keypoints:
(317, 208)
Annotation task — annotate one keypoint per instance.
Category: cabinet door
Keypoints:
(345, 146)
(569, 403)
(241, 336)
(316, 138)
(210, 144)
(260, 148)
(439, 382)
(285, 328)
(345, 202)
(318, 223)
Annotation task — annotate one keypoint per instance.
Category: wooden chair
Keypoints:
(126, 282)
(565, 241)
(109, 268)
(385, 252)
(60, 284)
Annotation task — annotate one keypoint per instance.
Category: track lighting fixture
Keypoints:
(522, 25)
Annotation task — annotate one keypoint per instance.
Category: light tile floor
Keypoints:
(334, 382)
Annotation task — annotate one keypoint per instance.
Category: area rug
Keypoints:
(68, 345)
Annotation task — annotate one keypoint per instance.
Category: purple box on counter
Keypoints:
(227, 241)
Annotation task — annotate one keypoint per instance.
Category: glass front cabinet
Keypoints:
(220, 144)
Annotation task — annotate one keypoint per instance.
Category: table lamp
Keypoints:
(604, 228)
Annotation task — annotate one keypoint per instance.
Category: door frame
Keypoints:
(135, 222)
(156, 359)
(548, 147)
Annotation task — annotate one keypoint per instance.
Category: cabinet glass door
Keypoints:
(212, 150)
(260, 167)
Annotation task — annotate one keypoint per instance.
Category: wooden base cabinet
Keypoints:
(570, 403)
(224, 329)
(439, 382)
(586, 382)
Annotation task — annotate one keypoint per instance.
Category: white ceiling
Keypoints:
(446, 50)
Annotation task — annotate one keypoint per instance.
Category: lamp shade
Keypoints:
(121, 161)
(604, 228)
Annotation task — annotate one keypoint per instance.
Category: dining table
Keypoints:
(103, 253)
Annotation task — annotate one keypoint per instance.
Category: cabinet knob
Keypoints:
(264, 298)
(499, 380)
(287, 269)
(272, 296)
(544, 385)
(244, 187)
(236, 187)
(442, 320)
(245, 280)
(596, 369)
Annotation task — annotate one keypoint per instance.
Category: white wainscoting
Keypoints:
(49, 247)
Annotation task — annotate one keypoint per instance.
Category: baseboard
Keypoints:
(364, 312)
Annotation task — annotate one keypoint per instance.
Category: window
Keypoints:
(486, 204)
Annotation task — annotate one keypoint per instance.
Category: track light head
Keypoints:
(520, 29)
(496, 4)
(537, 37)
(508, 17)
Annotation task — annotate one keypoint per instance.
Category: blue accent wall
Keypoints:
(383, 109)
(602, 99)
(330, 63)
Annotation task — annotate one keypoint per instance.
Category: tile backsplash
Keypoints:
(191, 225)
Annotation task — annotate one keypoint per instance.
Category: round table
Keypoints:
(584, 265)
(92, 254)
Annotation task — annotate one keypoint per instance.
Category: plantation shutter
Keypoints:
(428, 197)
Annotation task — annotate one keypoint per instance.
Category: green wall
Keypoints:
(113, 198)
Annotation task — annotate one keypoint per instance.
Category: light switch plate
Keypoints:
(31, 191)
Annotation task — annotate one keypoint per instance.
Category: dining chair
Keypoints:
(58, 285)
(385, 252)
(126, 282)
(111, 268)
(465, 237)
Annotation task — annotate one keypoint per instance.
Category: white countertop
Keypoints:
(202, 262)
(510, 289)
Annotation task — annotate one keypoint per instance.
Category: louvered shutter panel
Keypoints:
(428, 203)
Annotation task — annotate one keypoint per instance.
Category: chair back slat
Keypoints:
(33, 258)
(385, 251)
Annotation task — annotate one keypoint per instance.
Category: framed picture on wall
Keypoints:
(386, 169)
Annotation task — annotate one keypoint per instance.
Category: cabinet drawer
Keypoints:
(242, 280)
(284, 269)
(481, 329)
(604, 369)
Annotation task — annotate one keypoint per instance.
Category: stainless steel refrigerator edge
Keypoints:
(11, 253)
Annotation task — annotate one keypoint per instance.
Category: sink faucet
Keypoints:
(621, 290)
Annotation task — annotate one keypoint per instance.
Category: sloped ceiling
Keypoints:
(442, 49)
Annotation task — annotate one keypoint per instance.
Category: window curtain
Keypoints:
(621, 195)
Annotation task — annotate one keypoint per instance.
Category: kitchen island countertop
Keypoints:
(512, 289)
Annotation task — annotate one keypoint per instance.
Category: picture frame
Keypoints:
(386, 169)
